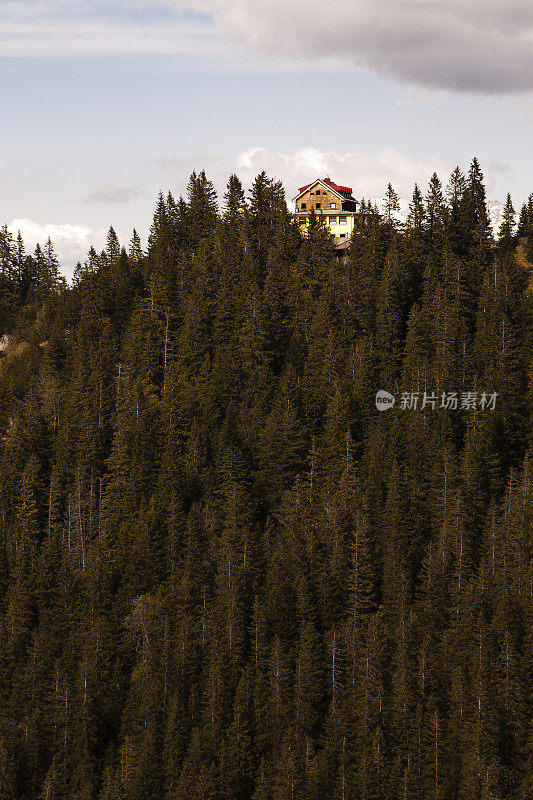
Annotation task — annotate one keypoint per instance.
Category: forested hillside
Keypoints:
(224, 574)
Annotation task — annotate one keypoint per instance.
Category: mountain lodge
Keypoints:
(334, 203)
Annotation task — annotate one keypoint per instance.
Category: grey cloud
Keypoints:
(483, 46)
(480, 46)
(200, 158)
(107, 193)
(496, 166)
(173, 162)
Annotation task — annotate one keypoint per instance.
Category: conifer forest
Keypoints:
(224, 573)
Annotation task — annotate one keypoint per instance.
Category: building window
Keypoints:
(333, 220)
(318, 205)
(311, 192)
(342, 220)
(333, 205)
(342, 236)
(303, 206)
(318, 191)
(296, 209)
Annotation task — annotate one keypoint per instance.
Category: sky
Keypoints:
(104, 104)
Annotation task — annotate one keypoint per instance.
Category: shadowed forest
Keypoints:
(224, 574)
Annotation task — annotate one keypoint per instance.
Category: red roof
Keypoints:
(346, 191)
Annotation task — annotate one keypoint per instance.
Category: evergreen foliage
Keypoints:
(223, 573)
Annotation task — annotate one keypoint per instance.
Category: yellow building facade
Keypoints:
(333, 203)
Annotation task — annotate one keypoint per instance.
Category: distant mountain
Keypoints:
(495, 209)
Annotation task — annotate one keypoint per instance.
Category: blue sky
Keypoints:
(106, 103)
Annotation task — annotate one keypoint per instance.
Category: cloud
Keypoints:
(184, 162)
(107, 193)
(94, 38)
(367, 174)
(495, 209)
(481, 46)
(71, 242)
(496, 166)
(79, 28)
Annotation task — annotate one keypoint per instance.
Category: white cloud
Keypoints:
(97, 38)
(71, 242)
(107, 193)
(77, 28)
(463, 45)
(367, 174)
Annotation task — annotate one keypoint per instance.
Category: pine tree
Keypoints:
(135, 252)
(435, 205)
(202, 207)
(455, 190)
(234, 202)
(417, 211)
(391, 205)
(505, 234)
